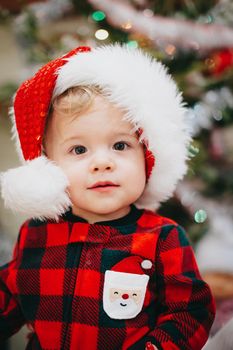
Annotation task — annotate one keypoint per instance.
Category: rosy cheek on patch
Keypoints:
(114, 294)
(136, 296)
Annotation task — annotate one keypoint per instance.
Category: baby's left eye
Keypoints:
(79, 149)
(120, 146)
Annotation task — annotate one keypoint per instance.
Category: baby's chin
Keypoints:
(101, 213)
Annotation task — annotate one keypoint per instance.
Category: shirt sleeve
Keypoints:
(186, 307)
(11, 317)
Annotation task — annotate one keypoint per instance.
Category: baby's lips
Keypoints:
(103, 184)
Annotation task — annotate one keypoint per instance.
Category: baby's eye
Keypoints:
(79, 149)
(120, 146)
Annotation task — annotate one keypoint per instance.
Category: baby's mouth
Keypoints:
(103, 184)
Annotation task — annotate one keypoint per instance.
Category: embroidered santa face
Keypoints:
(124, 292)
(117, 294)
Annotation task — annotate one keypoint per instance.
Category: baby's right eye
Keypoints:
(79, 149)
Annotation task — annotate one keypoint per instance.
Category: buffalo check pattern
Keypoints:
(54, 284)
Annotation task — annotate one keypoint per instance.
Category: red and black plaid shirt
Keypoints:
(55, 285)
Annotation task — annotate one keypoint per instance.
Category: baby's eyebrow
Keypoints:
(119, 134)
(72, 138)
(126, 134)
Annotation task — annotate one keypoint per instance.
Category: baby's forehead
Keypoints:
(102, 113)
(102, 126)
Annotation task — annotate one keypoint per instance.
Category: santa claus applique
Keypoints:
(125, 287)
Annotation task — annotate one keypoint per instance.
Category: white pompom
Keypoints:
(146, 264)
(36, 189)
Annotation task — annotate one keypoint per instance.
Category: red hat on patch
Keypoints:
(133, 264)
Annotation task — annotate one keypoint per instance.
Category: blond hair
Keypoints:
(75, 100)
(71, 103)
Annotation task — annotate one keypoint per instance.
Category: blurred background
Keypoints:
(195, 40)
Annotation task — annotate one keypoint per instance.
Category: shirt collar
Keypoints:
(128, 219)
(99, 232)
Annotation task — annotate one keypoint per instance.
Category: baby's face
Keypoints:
(101, 157)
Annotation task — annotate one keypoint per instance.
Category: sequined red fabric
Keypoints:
(150, 162)
(149, 157)
(32, 104)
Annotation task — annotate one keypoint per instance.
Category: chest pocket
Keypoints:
(125, 287)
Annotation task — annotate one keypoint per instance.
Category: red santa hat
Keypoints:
(133, 81)
(133, 264)
(130, 272)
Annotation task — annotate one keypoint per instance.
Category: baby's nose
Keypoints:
(125, 296)
(102, 167)
(102, 162)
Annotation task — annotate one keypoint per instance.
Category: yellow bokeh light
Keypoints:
(127, 25)
(101, 34)
(170, 49)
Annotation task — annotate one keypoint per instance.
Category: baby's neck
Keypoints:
(92, 218)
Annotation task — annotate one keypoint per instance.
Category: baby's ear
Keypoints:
(37, 189)
(43, 151)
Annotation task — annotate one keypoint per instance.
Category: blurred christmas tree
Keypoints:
(194, 39)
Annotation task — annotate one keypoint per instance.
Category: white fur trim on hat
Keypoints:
(141, 86)
(126, 280)
(36, 189)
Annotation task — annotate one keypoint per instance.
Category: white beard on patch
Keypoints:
(124, 294)
(122, 309)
